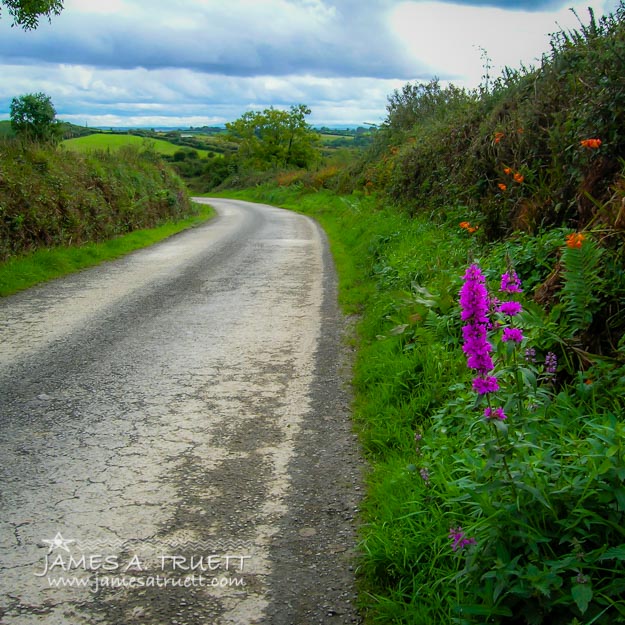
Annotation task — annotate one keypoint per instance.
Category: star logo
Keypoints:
(58, 542)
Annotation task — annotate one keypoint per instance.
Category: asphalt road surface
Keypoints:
(175, 443)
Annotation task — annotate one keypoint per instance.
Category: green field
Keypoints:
(332, 138)
(114, 142)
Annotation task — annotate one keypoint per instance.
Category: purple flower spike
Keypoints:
(474, 296)
(477, 348)
(459, 539)
(474, 303)
(551, 362)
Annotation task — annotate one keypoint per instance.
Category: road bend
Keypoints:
(174, 435)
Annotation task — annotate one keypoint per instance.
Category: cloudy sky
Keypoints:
(196, 62)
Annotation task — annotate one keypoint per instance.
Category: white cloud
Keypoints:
(238, 37)
(207, 61)
(98, 7)
(455, 37)
(91, 95)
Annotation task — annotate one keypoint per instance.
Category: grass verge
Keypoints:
(25, 271)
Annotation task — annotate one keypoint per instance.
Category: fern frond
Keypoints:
(581, 274)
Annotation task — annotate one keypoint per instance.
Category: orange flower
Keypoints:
(575, 239)
(507, 171)
(593, 144)
(520, 130)
(502, 186)
(499, 136)
(518, 177)
(468, 227)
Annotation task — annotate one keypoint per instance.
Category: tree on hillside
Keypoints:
(26, 13)
(33, 117)
(274, 138)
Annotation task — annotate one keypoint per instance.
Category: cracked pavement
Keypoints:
(175, 435)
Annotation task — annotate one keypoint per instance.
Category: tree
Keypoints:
(33, 117)
(26, 13)
(274, 138)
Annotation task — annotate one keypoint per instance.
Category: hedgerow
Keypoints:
(50, 196)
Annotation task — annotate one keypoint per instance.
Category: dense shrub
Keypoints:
(54, 197)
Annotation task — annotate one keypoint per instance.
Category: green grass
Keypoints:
(108, 141)
(28, 270)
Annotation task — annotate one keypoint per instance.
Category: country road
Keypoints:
(175, 439)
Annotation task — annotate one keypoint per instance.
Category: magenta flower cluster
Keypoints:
(459, 539)
(485, 384)
(510, 283)
(510, 308)
(512, 334)
(474, 304)
(495, 413)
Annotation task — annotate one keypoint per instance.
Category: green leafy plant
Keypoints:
(581, 264)
(51, 198)
(26, 13)
(558, 125)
